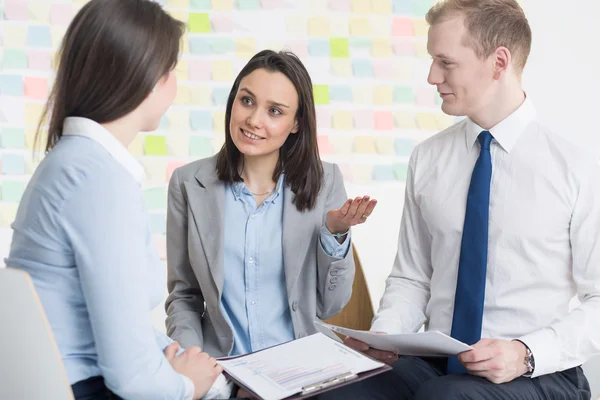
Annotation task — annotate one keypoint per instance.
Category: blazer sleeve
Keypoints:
(334, 275)
(185, 302)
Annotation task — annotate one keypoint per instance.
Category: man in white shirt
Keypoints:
(500, 230)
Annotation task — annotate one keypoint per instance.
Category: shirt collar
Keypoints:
(78, 126)
(507, 131)
(239, 188)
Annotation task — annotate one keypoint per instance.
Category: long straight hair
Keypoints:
(299, 155)
(112, 55)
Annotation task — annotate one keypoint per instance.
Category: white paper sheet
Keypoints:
(425, 344)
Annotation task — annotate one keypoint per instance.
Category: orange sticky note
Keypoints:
(384, 120)
(35, 88)
(402, 26)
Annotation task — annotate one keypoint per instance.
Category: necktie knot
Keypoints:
(485, 139)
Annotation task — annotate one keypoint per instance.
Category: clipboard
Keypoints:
(314, 388)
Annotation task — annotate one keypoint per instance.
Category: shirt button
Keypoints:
(334, 271)
(253, 303)
(334, 279)
(250, 260)
(332, 286)
(294, 305)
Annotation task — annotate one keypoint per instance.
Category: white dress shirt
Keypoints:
(543, 248)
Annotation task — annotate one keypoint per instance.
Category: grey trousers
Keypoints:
(416, 378)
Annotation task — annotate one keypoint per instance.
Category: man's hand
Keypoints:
(498, 361)
(384, 356)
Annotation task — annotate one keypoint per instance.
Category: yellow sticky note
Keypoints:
(222, 5)
(361, 6)
(179, 3)
(297, 24)
(179, 120)
(339, 47)
(318, 26)
(360, 27)
(201, 95)
(136, 147)
(321, 94)
(385, 145)
(199, 23)
(364, 144)
(219, 122)
(39, 12)
(14, 36)
(338, 26)
(185, 45)
(342, 120)
(341, 145)
(155, 145)
(405, 120)
(420, 49)
(444, 121)
(245, 48)
(383, 95)
(341, 67)
(30, 139)
(8, 213)
(382, 26)
(222, 70)
(181, 71)
(403, 72)
(382, 6)
(156, 169)
(426, 121)
(183, 95)
(421, 27)
(33, 113)
(362, 174)
(179, 15)
(381, 47)
(362, 94)
(317, 5)
(57, 33)
(218, 141)
(178, 145)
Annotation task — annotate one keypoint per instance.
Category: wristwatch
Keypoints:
(529, 362)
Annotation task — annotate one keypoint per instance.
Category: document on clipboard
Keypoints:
(300, 368)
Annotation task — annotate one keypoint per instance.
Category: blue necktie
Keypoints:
(470, 287)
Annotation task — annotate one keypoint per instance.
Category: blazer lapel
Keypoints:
(298, 230)
(206, 199)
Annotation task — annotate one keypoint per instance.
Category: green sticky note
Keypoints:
(12, 191)
(199, 23)
(339, 47)
(360, 43)
(12, 138)
(156, 145)
(200, 4)
(400, 171)
(201, 146)
(14, 58)
(321, 93)
(248, 4)
(404, 95)
(155, 198)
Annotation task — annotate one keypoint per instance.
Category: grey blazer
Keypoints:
(318, 285)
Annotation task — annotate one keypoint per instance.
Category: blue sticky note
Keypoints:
(201, 146)
(13, 164)
(383, 173)
(248, 4)
(362, 68)
(11, 85)
(158, 223)
(319, 48)
(360, 43)
(219, 96)
(201, 120)
(12, 138)
(400, 171)
(403, 147)
(14, 58)
(200, 4)
(405, 7)
(12, 191)
(200, 45)
(340, 93)
(155, 198)
(39, 36)
(164, 123)
(222, 45)
(420, 7)
(404, 95)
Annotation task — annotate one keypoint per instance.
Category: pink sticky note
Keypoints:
(199, 70)
(402, 47)
(346, 170)
(16, 10)
(36, 88)
(426, 97)
(383, 69)
(323, 118)
(160, 244)
(363, 119)
(222, 23)
(39, 59)
(402, 26)
(61, 14)
(324, 145)
(271, 4)
(299, 47)
(384, 120)
(340, 5)
(172, 166)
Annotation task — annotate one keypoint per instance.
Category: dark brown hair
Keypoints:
(299, 155)
(490, 24)
(112, 55)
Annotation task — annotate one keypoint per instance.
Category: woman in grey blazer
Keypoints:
(258, 239)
